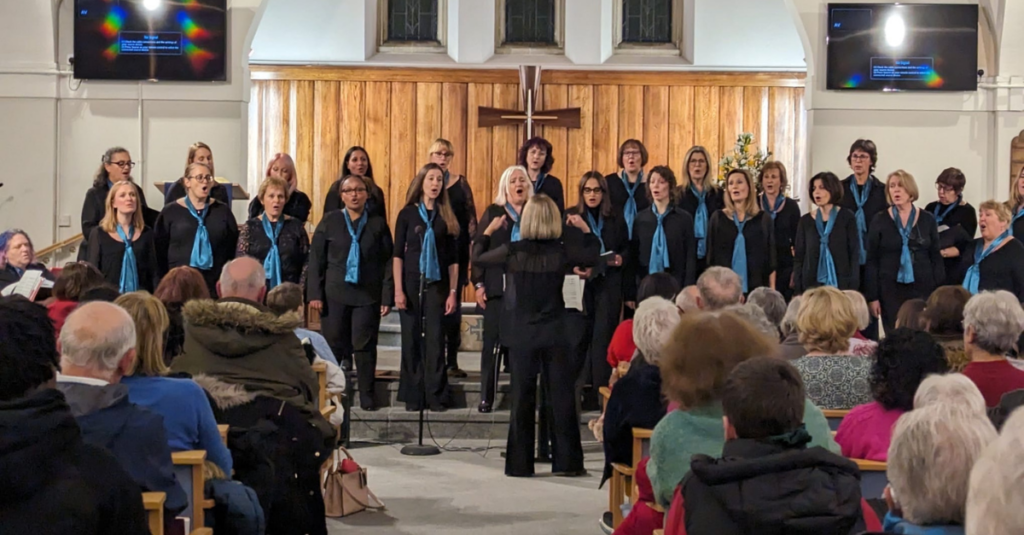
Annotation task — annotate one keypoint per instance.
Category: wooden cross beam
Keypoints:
(529, 86)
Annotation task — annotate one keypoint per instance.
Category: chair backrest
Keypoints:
(641, 444)
(153, 503)
(223, 429)
(321, 378)
(873, 479)
(834, 417)
(188, 468)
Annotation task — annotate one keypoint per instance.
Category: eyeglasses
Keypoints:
(129, 164)
(943, 188)
(202, 178)
(632, 153)
(353, 191)
(593, 190)
(860, 157)
(443, 154)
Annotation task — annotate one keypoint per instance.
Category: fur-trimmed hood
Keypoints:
(223, 394)
(234, 328)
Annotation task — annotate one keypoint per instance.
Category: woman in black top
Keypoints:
(178, 236)
(1016, 205)
(460, 197)
(275, 238)
(995, 261)
(514, 189)
(626, 188)
(785, 212)
(357, 162)
(425, 235)
(352, 303)
(130, 267)
(863, 194)
(903, 256)
(298, 206)
(753, 257)
(536, 268)
(535, 155)
(198, 152)
(700, 197)
(663, 235)
(115, 165)
(810, 270)
(957, 221)
(603, 293)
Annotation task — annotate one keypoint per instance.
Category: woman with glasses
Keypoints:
(957, 221)
(347, 283)
(298, 206)
(460, 197)
(700, 197)
(196, 230)
(198, 152)
(627, 192)
(115, 166)
(535, 156)
(357, 162)
(122, 247)
(274, 237)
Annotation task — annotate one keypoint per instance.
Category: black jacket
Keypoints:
(636, 401)
(56, 484)
(768, 489)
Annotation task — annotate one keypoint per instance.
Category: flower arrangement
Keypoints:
(743, 157)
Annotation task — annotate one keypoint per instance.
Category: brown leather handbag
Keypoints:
(345, 489)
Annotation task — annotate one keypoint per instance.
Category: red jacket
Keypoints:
(642, 519)
(58, 311)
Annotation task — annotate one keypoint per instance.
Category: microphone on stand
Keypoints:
(419, 449)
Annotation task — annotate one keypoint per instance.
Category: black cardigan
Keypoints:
(682, 246)
(107, 254)
(956, 230)
(375, 204)
(884, 247)
(552, 187)
(328, 257)
(292, 246)
(95, 207)
(1003, 269)
(759, 233)
(176, 231)
(492, 277)
(843, 243)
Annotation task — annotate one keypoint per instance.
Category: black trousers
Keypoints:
(422, 350)
(782, 278)
(452, 326)
(490, 354)
(559, 379)
(352, 331)
(605, 309)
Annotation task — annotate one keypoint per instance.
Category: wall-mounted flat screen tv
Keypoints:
(898, 47)
(183, 40)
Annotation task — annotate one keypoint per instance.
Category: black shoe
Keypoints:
(606, 523)
(437, 407)
(573, 473)
(456, 373)
(369, 407)
(485, 407)
(545, 459)
(413, 407)
(346, 364)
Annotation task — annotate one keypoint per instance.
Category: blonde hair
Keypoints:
(1015, 197)
(1003, 212)
(273, 182)
(109, 221)
(501, 199)
(151, 321)
(193, 149)
(289, 163)
(860, 308)
(685, 179)
(441, 143)
(750, 206)
(826, 320)
(541, 219)
(906, 180)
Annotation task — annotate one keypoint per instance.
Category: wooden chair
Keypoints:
(872, 478)
(153, 502)
(622, 484)
(188, 468)
(321, 378)
(223, 433)
(835, 417)
(659, 532)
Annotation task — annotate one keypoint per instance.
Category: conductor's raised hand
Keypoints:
(495, 224)
(574, 220)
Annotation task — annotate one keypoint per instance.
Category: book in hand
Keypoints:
(29, 285)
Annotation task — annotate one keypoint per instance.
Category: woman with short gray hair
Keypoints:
(995, 493)
(771, 302)
(930, 458)
(992, 323)
(791, 348)
(952, 390)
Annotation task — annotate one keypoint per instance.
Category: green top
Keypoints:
(683, 434)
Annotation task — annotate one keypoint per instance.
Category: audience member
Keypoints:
(944, 320)
(995, 493)
(621, 350)
(930, 459)
(179, 286)
(17, 255)
(911, 314)
(953, 390)
(834, 379)
(767, 480)
(859, 344)
(643, 518)
(54, 482)
(287, 297)
(97, 348)
(695, 361)
(718, 288)
(74, 280)
(770, 302)
(686, 300)
(904, 358)
(791, 347)
(753, 315)
(104, 293)
(992, 323)
(188, 418)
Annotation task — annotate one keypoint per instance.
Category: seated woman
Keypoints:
(181, 285)
(910, 314)
(859, 344)
(952, 389)
(695, 361)
(187, 416)
(771, 302)
(75, 279)
(930, 459)
(944, 320)
(17, 255)
(904, 358)
(622, 348)
(834, 378)
(993, 322)
(791, 348)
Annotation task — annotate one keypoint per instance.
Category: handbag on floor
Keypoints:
(344, 487)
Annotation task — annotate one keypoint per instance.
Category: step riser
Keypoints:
(386, 395)
(408, 431)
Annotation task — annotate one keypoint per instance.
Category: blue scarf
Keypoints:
(272, 263)
(659, 245)
(1018, 215)
(129, 269)
(429, 265)
(941, 214)
(596, 227)
(446, 177)
(739, 251)
(773, 210)
(540, 182)
(515, 222)
(202, 252)
(352, 262)
(906, 273)
(973, 278)
(700, 221)
(860, 197)
(629, 210)
(826, 266)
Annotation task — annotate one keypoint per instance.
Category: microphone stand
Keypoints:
(420, 449)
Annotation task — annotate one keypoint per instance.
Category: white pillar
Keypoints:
(471, 25)
(589, 31)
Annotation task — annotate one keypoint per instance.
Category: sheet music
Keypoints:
(572, 292)
(27, 287)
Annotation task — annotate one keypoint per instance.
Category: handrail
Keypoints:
(60, 245)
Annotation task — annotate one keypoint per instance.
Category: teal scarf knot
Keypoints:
(629, 210)
(973, 278)
(429, 266)
(739, 250)
(700, 221)
(352, 261)
(860, 198)
(906, 272)
(659, 245)
(129, 268)
(272, 263)
(826, 265)
(202, 251)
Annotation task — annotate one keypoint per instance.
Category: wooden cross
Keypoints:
(529, 86)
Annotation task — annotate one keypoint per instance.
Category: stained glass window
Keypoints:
(647, 21)
(530, 21)
(412, 20)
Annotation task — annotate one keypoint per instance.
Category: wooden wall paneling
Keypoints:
(454, 124)
(656, 118)
(378, 134)
(730, 118)
(606, 128)
(353, 117)
(705, 127)
(631, 113)
(580, 141)
(478, 146)
(255, 138)
(402, 147)
(556, 96)
(302, 126)
(326, 134)
(755, 114)
(680, 125)
(782, 124)
(277, 120)
(428, 121)
(798, 174)
(505, 140)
